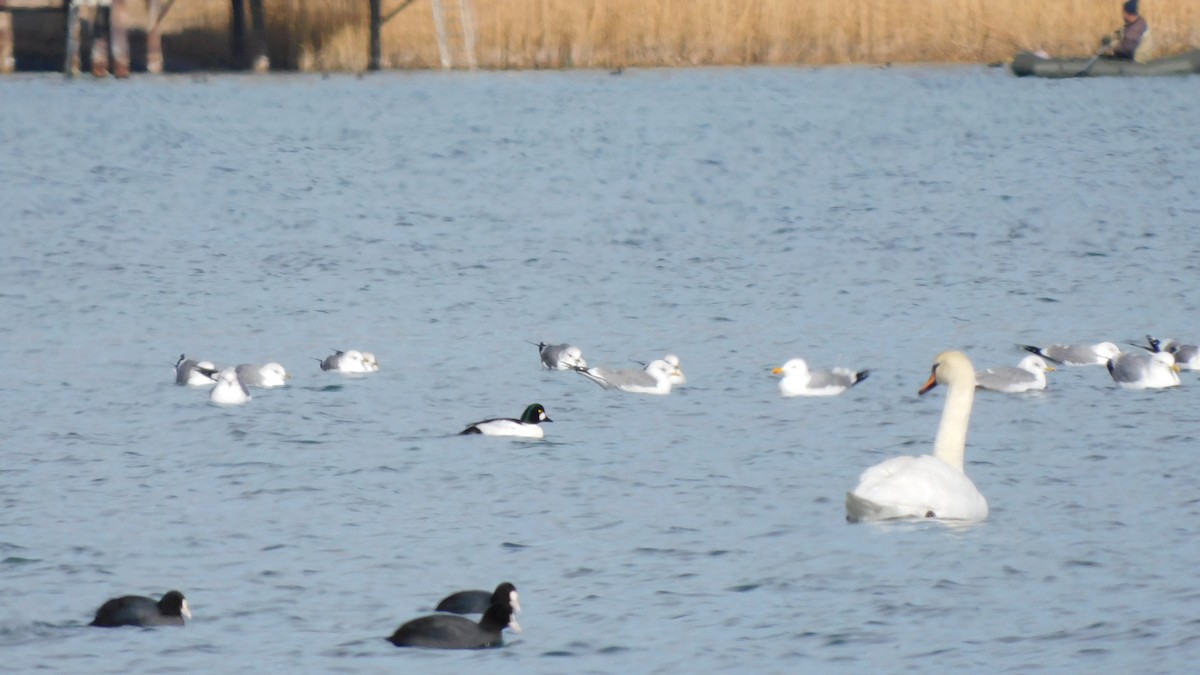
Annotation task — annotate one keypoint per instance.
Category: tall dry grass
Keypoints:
(333, 34)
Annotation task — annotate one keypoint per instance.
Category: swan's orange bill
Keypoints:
(929, 384)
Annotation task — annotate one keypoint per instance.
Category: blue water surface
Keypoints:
(862, 217)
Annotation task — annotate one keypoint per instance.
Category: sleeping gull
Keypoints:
(1187, 357)
(655, 379)
(352, 361)
(229, 390)
(677, 376)
(560, 357)
(265, 376)
(1077, 355)
(798, 380)
(1133, 370)
(193, 372)
(1028, 375)
(370, 362)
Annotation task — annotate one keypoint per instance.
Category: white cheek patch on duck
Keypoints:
(514, 601)
(184, 611)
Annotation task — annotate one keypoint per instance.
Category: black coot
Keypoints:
(137, 610)
(445, 631)
(477, 602)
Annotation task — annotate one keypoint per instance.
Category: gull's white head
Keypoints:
(792, 367)
(274, 375)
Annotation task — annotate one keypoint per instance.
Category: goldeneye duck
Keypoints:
(526, 427)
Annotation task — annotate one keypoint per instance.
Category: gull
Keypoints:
(194, 373)
(798, 380)
(352, 361)
(677, 376)
(229, 390)
(1134, 370)
(1076, 355)
(655, 379)
(1028, 375)
(560, 357)
(266, 376)
(1187, 357)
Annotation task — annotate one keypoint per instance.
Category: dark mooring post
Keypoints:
(7, 64)
(259, 62)
(376, 44)
(154, 17)
(118, 31)
(237, 32)
(101, 20)
(71, 58)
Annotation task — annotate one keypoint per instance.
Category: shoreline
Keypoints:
(334, 35)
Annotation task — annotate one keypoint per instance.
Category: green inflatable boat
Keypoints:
(1027, 63)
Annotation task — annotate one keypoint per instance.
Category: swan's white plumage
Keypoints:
(928, 486)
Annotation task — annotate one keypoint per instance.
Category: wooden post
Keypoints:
(101, 22)
(376, 44)
(71, 58)
(260, 62)
(118, 30)
(237, 32)
(7, 63)
(154, 16)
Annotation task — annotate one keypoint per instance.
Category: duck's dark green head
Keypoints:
(535, 414)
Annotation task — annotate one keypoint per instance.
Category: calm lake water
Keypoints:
(861, 217)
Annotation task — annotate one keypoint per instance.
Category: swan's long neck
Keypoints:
(956, 415)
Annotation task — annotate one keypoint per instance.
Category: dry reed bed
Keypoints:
(333, 34)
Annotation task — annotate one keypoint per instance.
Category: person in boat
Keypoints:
(1132, 41)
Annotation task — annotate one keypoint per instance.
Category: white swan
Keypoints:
(928, 486)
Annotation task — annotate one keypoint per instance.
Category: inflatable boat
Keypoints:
(1028, 63)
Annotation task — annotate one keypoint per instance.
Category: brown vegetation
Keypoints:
(333, 34)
